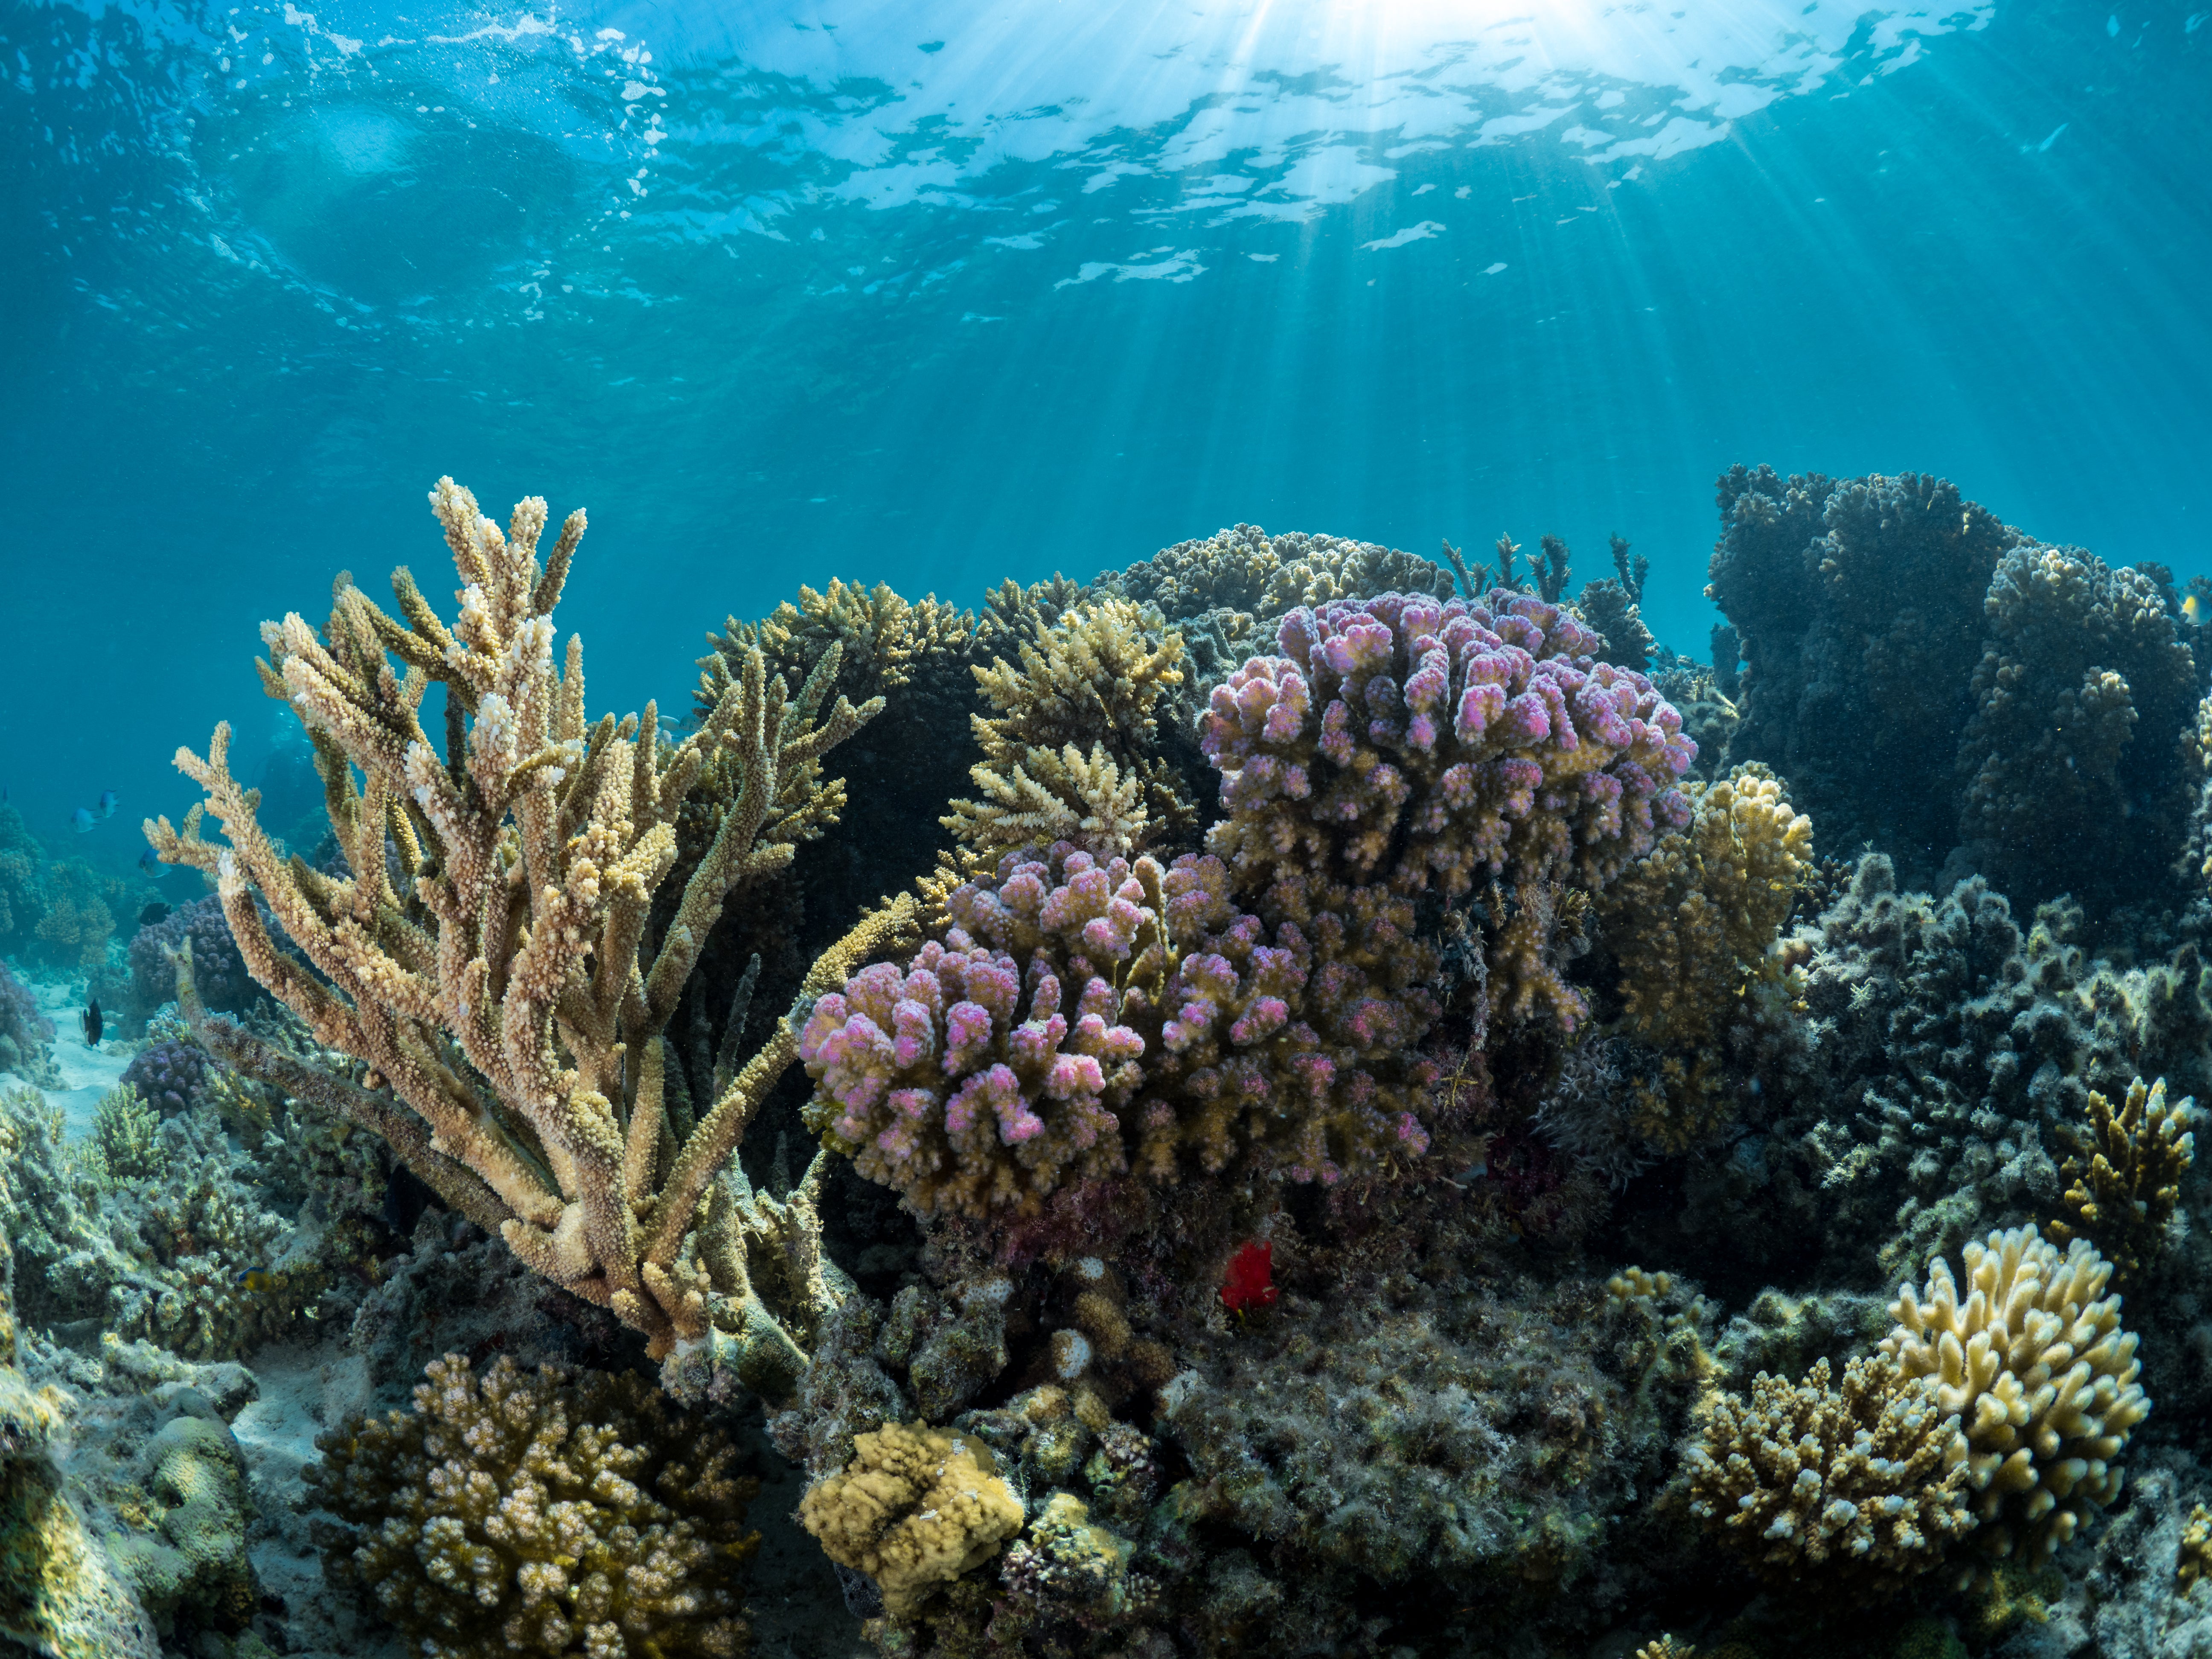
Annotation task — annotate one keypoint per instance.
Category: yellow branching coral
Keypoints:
(1666, 1647)
(487, 955)
(1064, 750)
(1695, 929)
(2124, 1177)
(1315, 570)
(882, 638)
(2195, 1551)
(2035, 1366)
(543, 1512)
(1863, 1484)
(915, 1509)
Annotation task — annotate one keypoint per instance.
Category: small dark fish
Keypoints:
(91, 1024)
(406, 1195)
(153, 915)
(82, 819)
(107, 799)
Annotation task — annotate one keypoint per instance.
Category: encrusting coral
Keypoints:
(915, 1510)
(544, 1513)
(487, 956)
(2123, 1179)
(2034, 1365)
(1158, 1018)
(1861, 1484)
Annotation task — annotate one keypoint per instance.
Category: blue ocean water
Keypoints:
(941, 292)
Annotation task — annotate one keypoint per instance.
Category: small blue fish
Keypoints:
(82, 819)
(150, 862)
(107, 799)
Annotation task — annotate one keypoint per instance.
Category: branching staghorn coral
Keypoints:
(487, 956)
(544, 1513)
(1079, 1018)
(2035, 1366)
(883, 640)
(1066, 754)
(1695, 929)
(1861, 1484)
(2124, 1179)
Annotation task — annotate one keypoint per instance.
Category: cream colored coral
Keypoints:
(489, 954)
(915, 1509)
(2124, 1179)
(1865, 1481)
(2035, 1366)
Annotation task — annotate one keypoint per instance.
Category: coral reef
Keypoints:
(544, 1512)
(25, 1035)
(2124, 1177)
(172, 1075)
(915, 1508)
(217, 967)
(1066, 750)
(2072, 779)
(1695, 929)
(1194, 1027)
(1417, 743)
(2035, 1366)
(556, 1144)
(1858, 606)
(1859, 1485)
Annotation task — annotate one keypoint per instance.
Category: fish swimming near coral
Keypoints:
(108, 797)
(259, 1280)
(82, 819)
(91, 1024)
(153, 915)
(150, 862)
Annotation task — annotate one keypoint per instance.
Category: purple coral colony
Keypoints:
(1368, 1107)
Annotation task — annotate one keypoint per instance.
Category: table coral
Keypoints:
(1861, 1484)
(547, 1512)
(2124, 1175)
(915, 1510)
(2035, 1363)
(1079, 1017)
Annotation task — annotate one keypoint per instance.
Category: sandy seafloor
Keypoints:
(794, 1603)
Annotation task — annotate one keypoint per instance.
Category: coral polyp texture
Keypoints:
(2123, 1179)
(2036, 1367)
(1861, 1483)
(1079, 1017)
(915, 1510)
(1432, 744)
(539, 1513)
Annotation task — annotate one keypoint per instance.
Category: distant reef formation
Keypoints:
(1292, 1098)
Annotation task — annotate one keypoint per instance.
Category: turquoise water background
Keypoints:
(941, 292)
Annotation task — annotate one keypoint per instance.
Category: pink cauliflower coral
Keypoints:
(1077, 1015)
(1420, 741)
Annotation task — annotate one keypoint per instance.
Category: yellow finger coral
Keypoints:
(1694, 929)
(2041, 1376)
(1866, 1483)
(2124, 1178)
(915, 1509)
